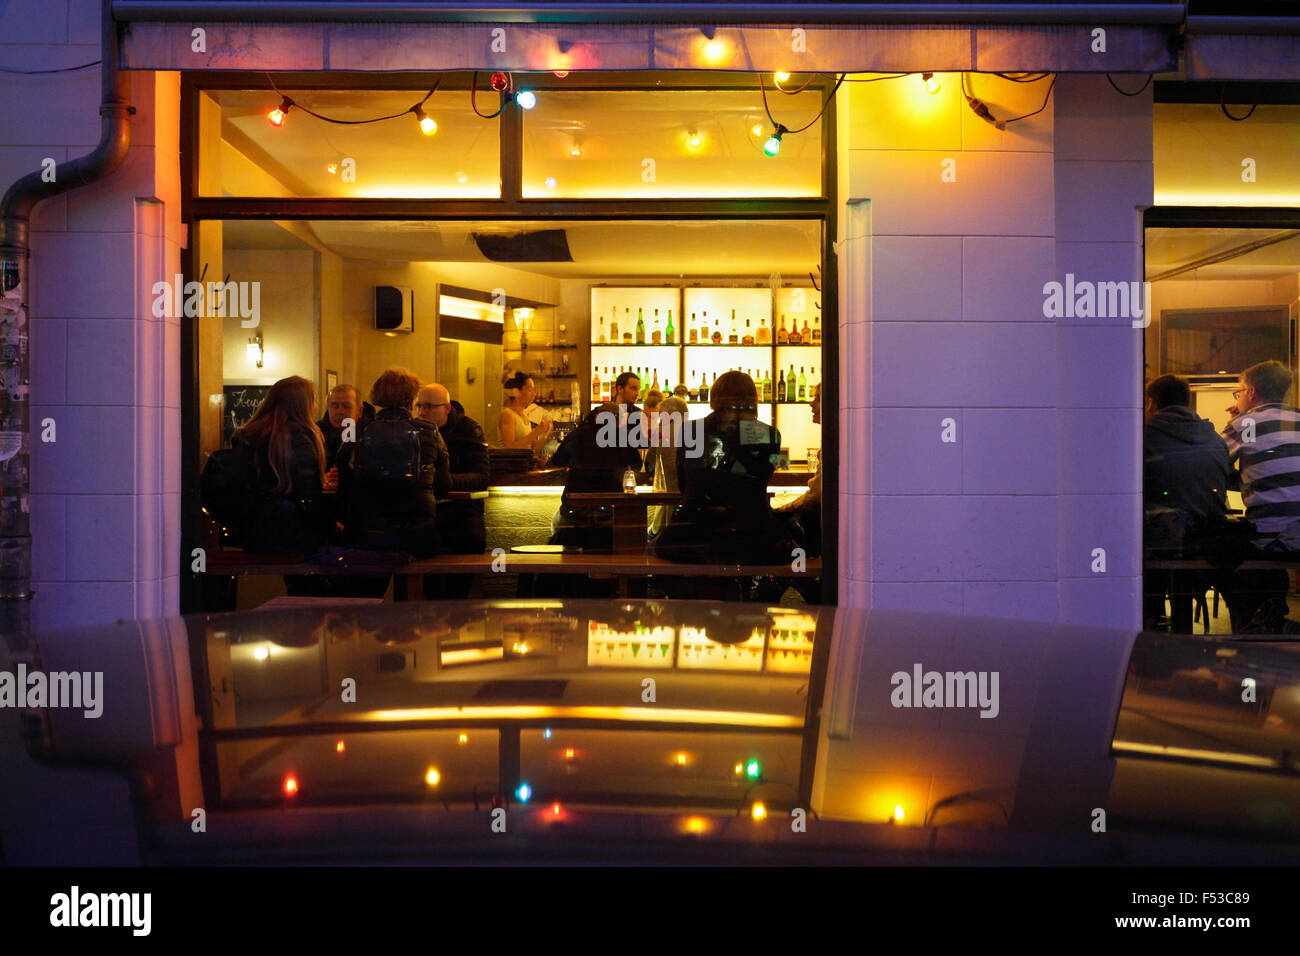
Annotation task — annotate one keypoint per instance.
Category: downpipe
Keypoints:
(15, 358)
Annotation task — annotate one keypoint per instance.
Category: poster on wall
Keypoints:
(238, 403)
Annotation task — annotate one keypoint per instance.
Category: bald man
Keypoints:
(460, 523)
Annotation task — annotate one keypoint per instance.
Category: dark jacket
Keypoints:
(725, 514)
(390, 482)
(592, 467)
(1185, 464)
(300, 520)
(334, 436)
(460, 523)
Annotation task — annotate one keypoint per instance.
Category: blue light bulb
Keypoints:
(524, 792)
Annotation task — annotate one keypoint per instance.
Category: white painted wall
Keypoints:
(105, 499)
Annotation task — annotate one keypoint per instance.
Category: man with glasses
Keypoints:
(461, 527)
(1263, 441)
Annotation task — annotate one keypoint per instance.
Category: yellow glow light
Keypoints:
(898, 814)
(693, 140)
(575, 151)
(427, 126)
(740, 768)
(464, 739)
(781, 76)
(261, 653)
(932, 85)
(757, 129)
(758, 811)
(696, 825)
(715, 50)
(462, 178)
(432, 777)
(664, 715)
(332, 168)
(681, 760)
(340, 747)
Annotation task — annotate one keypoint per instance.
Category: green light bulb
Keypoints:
(752, 769)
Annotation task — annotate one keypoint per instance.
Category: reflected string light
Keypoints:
(758, 811)
(290, 786)
(932, 85)
(432, 777)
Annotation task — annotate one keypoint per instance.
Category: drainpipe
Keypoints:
(15, 359)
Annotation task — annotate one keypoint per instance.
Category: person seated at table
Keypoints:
(461, 528)
(288, 454)
(343, 403)
(725, 515)
(597, 464)
(1185, 474)
(515, 428)
(390, 483)
(1263, 442)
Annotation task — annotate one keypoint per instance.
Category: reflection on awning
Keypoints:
(862, 47)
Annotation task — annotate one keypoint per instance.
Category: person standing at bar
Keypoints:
(343, 403)
(515, 428)
(461, 528)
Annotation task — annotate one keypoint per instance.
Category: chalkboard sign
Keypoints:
(238, 403)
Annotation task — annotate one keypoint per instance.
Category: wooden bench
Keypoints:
(622, 567)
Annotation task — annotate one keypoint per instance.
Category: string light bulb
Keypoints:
(561, 74)
(932, 85)
(575, 151)
(500, 82)
(427, 125)
(757, 129)
(332, 168)
(276, 116)
(526, 99)
(694, 140)
(780, 76)
(773, 144)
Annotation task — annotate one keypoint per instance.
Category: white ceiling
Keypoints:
(1171, 248)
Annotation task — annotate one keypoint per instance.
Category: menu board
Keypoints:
(238, 403)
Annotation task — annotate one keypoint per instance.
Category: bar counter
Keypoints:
(519, 509)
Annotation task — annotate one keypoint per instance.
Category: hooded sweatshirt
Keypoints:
(1185, 463)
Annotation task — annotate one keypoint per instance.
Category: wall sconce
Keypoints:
(523, 322)
(254, 350)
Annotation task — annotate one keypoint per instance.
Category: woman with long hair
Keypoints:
(288, 454)
(516, 430)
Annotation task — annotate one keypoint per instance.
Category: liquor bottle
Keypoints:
(803, 386)
(780, 388)
(654, 386)
(613, 326)
(704, 386)
(716, 338)
(791, 385)
(693, 333)
(627, 326)
(748, 337)
(764, 335)
(782, 336)
(733, 337)
(693, 391)
(602, 339)
(807, 332)
(795, 337)
(656, 335)
(669, 331)
(640, 328)
(767, 385)
(817, 332)
(595, 385)
(645, 387)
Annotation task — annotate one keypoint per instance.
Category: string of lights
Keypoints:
(60, 69)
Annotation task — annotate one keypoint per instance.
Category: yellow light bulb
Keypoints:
(575, 151)
(715, 50)
(464, 739)
(898, 814)
(781, 76)
(758, 811)
(427, 126)
(757, 129)
(932, 85)
(432, 777)
(696, 824)
(694, 141)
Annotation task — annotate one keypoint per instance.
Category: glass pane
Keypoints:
(677, 144)
(1204, 159)
(242, 154)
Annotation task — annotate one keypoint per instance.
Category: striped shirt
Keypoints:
(1270, 465)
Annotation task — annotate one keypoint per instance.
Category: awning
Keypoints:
(757, 36)
(1243, 48)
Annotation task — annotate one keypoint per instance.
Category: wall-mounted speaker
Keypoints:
(394, 308)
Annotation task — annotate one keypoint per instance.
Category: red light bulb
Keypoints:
(290, 786)
(500, 82)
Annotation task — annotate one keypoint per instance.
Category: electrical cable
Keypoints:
(364, 122)
(1150, 77)
(62, 69)
(785, 129)
(1223, 92)
(473, 98)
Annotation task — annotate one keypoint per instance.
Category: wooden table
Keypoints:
(630, 513)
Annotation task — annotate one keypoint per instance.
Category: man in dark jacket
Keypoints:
(1185, 473)
(343, 403)
(1185, 463)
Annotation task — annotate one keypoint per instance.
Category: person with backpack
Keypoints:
(390, 480)
(267, 486)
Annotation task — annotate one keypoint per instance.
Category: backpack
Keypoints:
(388, 453)
(228, 486)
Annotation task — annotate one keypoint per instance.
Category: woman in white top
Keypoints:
(516, 430)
